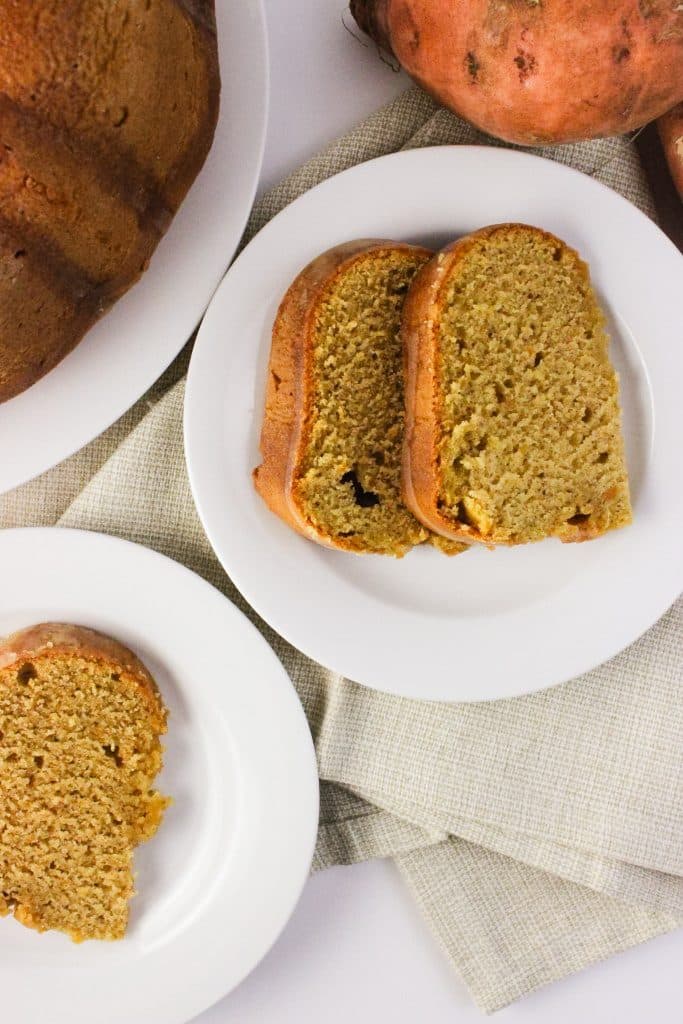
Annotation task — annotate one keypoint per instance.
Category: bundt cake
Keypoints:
(80, 721)
(513, 419)
(107, 113)
(333, 427)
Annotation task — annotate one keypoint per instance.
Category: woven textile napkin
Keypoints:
(538, 834)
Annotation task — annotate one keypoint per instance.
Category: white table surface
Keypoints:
(356, 948)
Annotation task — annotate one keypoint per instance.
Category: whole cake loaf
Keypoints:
(107, 113)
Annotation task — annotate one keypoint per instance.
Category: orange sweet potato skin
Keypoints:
(538, 71)
(670, 127)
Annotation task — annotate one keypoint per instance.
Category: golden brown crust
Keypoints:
(57, 313)
(55, 639)
(106, 116)
(421, 481)
(289, 387)
(286, 384)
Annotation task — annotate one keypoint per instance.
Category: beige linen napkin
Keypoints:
(538, 834)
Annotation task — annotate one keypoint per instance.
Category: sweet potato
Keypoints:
(670, 127)
(538, 71)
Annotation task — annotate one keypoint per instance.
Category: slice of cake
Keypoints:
(513, 421)
(333, 428)
(80, 721)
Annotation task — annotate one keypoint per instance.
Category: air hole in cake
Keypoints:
(461, 514)
(587, 416)
(580, 517)
(538, 359)
(366, 499)
(111, 750)
(602, 458)
(26, 673)
(39, 760)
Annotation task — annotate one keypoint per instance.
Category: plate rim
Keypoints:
(305, 643)
(65, 541)
(37, 463)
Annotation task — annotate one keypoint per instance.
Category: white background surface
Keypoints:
(357, 948)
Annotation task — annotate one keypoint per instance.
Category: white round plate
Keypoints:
(221, 877)
(125, 352)
(485, 624)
